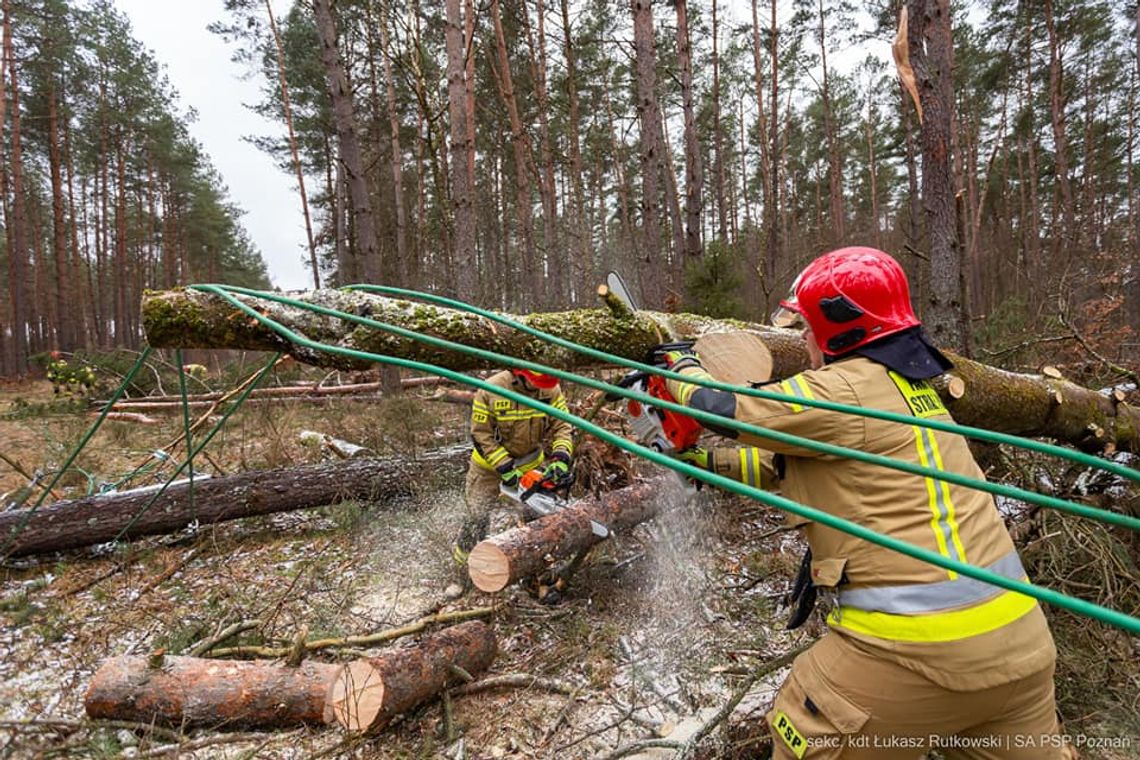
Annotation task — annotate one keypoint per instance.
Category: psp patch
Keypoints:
(479, 417)
(920, 396)
(786, 731)
(502, 404)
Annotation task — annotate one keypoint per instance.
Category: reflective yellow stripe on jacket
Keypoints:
(929, 612)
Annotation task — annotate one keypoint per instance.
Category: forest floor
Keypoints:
(655, 633)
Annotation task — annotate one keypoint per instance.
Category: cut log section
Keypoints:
(188, 691)
(369, 693)
(520, 553)
(97, 519)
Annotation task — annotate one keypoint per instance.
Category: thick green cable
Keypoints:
(1092, 513)
(205, 440)
(1079, 606)
(981, 434)
(75, 452)
(186, 422)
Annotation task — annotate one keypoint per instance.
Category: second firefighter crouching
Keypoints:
(510, 439)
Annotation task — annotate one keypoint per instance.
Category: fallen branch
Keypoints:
(204, 646)
(367, 640)
(514, 681)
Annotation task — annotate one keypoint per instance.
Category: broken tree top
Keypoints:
(976, 394)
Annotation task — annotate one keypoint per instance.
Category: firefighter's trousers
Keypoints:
(842, 703)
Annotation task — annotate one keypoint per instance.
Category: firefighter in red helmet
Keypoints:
(509, 440)
(916, 657)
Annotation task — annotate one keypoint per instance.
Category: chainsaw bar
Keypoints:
(543, 504)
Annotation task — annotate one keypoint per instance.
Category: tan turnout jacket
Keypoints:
(962, 634)
(504, 430)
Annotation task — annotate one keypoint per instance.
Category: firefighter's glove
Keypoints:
(558, 471)
(681, 359)
(508, 474)
(697, 456)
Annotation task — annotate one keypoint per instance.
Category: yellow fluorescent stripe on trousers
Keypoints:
(750, 467)
(936, 502)
(943, 626)
(562, 443)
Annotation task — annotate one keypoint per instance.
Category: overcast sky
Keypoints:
(198, 63)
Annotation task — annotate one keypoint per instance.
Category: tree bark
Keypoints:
(367, 258)
(931, 50)
(18, 253)
(993, 398)
(520, 553)
(649, 118)
(93, 520)
(466, 278)
(189, 691)
(694, 173)
(369, 693)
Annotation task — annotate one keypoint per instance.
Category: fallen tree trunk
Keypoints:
(1032, 405)
(520, 553)
(97, 519)
(188, 691)
(369, 693)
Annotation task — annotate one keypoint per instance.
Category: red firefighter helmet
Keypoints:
(849, 297)
(537, 379)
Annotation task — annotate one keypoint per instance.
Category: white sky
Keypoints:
(199, 67)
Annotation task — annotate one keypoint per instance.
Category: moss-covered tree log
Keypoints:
(1025, 404)
(188, 692)
(522, 552)
(97, 519)
(369, 693)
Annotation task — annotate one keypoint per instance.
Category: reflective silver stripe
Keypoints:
(921, 598)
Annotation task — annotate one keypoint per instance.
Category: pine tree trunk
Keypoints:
(18, 253)
(466, 277)
(387, 53)
(694, 172)
(367, 252)
(649, 118)
(931, 49)
(582, 267)
(97, 519)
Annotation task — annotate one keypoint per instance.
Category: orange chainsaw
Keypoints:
(660, 429)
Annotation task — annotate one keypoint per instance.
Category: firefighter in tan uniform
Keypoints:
(508, 440)
(916, 657)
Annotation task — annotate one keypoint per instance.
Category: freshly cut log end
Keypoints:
(357, 696)
(189, 691)
(489, 567)
(369, 694)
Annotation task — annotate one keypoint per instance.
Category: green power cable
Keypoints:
(949, 427)
(186, 422)
(16, 529)
(1080, 606)
(1114, 518)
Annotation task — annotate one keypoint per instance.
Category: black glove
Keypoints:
(803, 595)
(508, 474)
(557, 471)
